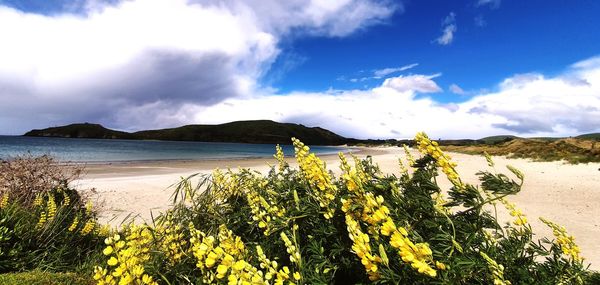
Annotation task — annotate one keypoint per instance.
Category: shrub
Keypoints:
(307, 226)
(44, 224)
(24, 177)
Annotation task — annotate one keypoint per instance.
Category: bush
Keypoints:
(44, 224)
(24, 177)
(307, 226)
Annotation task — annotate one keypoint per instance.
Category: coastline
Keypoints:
(564, 193)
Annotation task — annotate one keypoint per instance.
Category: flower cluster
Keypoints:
(291, 248)
(317, 176)
(426, 146)
(4, 201)
(89, 226)
(497, 270)
(372, 210)
(418, 255)
(280, 158)
(263, 211)
(565, 241)
(362, 248)
(51, 207)
(409, 157)
(172, 241)
(74, 224)
(224, 182)
(222, 257)
(126, 258)
(520, 219)
(272, 270)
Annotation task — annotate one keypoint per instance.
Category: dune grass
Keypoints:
(570, 150)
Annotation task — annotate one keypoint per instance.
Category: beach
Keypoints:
(563, 193)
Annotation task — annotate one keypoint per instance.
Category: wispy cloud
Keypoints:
(456, 89)
(380, 73)
(494, 4)
(479, 21)
(448, 29)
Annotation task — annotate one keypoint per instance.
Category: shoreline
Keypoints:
(155, 167)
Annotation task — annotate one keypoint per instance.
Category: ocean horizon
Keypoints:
(82, 150)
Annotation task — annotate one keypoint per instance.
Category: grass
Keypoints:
(45, 278)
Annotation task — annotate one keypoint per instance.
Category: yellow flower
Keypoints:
(108, 250)
(440, 266)
(74, 224)
(112, 261)
(4, 201)
(565, 241)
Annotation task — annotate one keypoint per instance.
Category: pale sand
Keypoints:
(566, 194)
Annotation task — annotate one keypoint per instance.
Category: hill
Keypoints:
(85, 130)
(593, 136)
(261, 131)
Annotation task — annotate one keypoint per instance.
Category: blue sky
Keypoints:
(512, 37)
(362, 68)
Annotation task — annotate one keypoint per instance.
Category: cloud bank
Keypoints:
(143, 59)
(524, 104)
(183, 62)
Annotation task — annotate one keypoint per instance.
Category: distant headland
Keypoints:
(259, 131)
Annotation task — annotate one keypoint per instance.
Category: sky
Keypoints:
(363, 69)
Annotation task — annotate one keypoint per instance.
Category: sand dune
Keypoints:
(566, 194)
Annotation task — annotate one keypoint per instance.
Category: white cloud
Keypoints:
(456, 89)
(148, 54)
(417, 83)
(380, 73)
(526, 105)
(448, 30)
(491, 3)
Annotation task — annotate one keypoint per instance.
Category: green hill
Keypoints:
(84, 130)
(261, 131)
(592, 136)
(498, 139)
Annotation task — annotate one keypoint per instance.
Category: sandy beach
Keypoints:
(566, 194)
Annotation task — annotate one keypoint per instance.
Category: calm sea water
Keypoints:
(97, 150)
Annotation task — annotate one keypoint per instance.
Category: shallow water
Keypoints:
(104, 150)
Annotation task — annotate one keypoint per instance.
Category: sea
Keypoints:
(109, 150)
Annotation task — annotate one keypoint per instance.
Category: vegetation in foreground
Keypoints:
(302, 226)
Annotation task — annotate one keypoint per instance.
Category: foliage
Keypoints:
(55, 232)
(305, 226)
(25, 177)
(44, 224)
